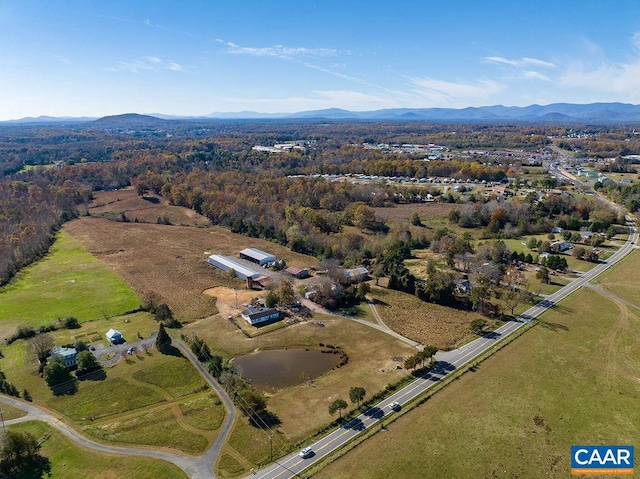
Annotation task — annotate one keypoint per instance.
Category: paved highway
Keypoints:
(447, 362)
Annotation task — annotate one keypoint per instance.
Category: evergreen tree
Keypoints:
(163, 340)
(56, 373)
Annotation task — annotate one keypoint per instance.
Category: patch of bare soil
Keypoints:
(231, 302)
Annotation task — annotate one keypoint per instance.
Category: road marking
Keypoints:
(481, 344)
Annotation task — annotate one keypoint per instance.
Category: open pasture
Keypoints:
(68, 281)
(572, 379)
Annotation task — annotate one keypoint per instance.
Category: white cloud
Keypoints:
(444, 93)
(278, 51)
(535, 75)
(147, 63)
(605, 77)
(522, 66)
(536, 62)
(619, 78)
(522, 62)
(315, 100)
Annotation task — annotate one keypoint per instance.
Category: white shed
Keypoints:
(114, 336)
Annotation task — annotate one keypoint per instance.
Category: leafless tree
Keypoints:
(40, 347)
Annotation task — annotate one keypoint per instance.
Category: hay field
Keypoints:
(147, 209)
(572, 379)
(427, 211)
(170, 261)
(426, 323)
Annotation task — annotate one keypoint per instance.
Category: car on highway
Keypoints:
(306, 452)
(395, 406)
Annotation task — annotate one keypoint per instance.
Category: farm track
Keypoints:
(195, 467)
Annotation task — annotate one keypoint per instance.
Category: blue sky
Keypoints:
(191, 57)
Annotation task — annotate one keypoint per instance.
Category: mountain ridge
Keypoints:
(602, 112)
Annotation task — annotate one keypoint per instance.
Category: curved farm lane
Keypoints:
(380, 325)
(207, 460)
(195, 467)
(609, 294)
(35, 413)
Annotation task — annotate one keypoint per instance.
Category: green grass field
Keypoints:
(572, 379)
(147, 398)
(623, 279)
(67, 459)
(67, 282)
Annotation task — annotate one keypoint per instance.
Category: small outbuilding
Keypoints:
(257, 256)
(255, 315)
(66, 355)
(114, 336)
(298, 272)
(462, 286)
(356, 275)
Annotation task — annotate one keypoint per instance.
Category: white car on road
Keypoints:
(306, 452)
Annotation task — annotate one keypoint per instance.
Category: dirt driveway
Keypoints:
(231, 302)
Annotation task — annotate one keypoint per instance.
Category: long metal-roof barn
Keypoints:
(225, 263)
(257, 256)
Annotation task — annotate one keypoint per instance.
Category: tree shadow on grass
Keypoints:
(68, 388)
(38, 467)
(377, 301)
(552, 326)
(172, 351)
(265, 418)
(97, 375)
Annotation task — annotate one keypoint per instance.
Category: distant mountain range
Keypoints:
(554, 113)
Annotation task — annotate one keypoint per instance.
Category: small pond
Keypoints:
(280, 368)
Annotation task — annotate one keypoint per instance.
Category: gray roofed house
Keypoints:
(463, 286)
(66, 355)
(356, 275)
(259, 315)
